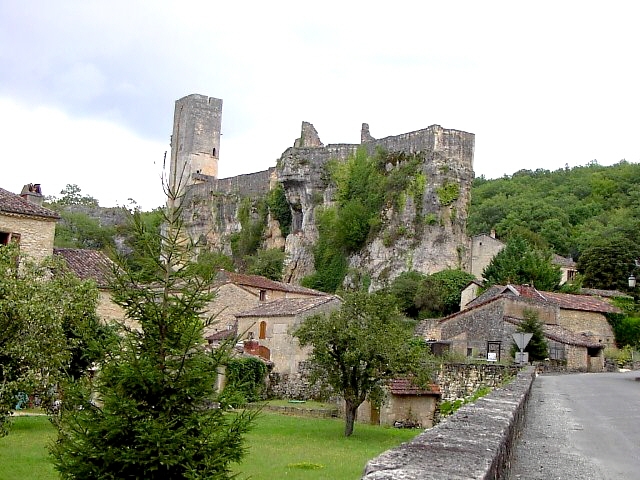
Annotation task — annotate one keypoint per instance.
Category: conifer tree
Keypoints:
(153, 411)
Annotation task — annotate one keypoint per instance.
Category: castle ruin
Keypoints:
(211, 204)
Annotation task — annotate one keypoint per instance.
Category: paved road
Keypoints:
(581, 426)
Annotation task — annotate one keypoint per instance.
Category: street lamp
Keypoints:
(632, 281)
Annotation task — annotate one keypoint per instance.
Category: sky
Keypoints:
(87, 88)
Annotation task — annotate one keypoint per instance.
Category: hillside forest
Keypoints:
(589, 213)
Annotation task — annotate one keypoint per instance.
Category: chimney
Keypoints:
(32, 193)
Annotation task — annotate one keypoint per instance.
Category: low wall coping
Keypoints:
(474, 443)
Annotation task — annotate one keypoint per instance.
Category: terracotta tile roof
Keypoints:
(263, 283)
(580, 302)
(287, 307)
(87, 264)
(562, 335)
(12, 203)
(604, 293)
(567, 301)
(405, 386)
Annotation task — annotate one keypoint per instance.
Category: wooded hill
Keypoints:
(571, 209)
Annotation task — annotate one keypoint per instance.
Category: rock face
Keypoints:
(427, 233)
(433, 242)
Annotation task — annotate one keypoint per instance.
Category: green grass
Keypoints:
(279, 446)
(23, 453)
(295, 448)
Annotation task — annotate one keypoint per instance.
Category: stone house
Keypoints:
(486, 246)
(23, 220)
(406, 404)
(236, 292)
(575, 325)
(267, 329)
(94, 265)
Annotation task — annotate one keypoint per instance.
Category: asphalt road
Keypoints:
(581, 426)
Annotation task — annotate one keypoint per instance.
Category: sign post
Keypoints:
(522, 339)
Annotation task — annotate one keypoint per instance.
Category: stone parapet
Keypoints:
(476, 442)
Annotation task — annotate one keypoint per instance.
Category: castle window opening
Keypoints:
(263, 295)
(4, 238)
(214, 151)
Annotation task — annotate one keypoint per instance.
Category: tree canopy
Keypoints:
(357, 348)
(521, 263)
(48, 328)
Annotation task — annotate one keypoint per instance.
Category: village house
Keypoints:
(486, 246)
(24, 221)
(575, 325)
(267, 329)
(237, 292)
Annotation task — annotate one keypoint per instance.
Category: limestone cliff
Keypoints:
(427, 237)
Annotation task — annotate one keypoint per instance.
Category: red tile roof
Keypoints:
(405, 386)
(15, 204)
(566, 301)
(87, 264)
(263, 283)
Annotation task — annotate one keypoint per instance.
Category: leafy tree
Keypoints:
(357, 348)
(608, 262)
(267, 263)
(245, 380)
(279, 208)
(439, 293)
(142, 240)
(156, 413)
(71, 195)
(79, 230)
(48, 328)
(209, 263)
(537, 347)
(520, 263)
(404, 288)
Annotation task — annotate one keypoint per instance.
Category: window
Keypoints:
(263, 295)
(7, 237)
(263, 330)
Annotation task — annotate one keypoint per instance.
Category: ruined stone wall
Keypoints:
(440, 244)
(195, 141)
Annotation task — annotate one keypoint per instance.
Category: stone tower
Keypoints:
(195, 142)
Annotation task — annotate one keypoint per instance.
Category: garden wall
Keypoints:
(476, 442)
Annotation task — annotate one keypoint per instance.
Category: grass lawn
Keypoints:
(279, 446)
(24, 454)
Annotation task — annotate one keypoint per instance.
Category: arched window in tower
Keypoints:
(263, 330)
(214, 151)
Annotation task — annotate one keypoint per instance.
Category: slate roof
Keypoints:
(14, 204)
(87, 264)
(223, 334)
(405, 386)
(287, 307)
(263, 283)
(563, 335)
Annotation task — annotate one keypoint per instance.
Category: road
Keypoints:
(581, 426)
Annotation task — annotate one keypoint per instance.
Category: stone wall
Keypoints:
(476, 442)
(587, 322)
(36, 234)
(460, 380)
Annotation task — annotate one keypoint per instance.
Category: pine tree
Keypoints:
(152, 411)
(537, 347)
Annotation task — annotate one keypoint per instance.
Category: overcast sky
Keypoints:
(87, 88)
